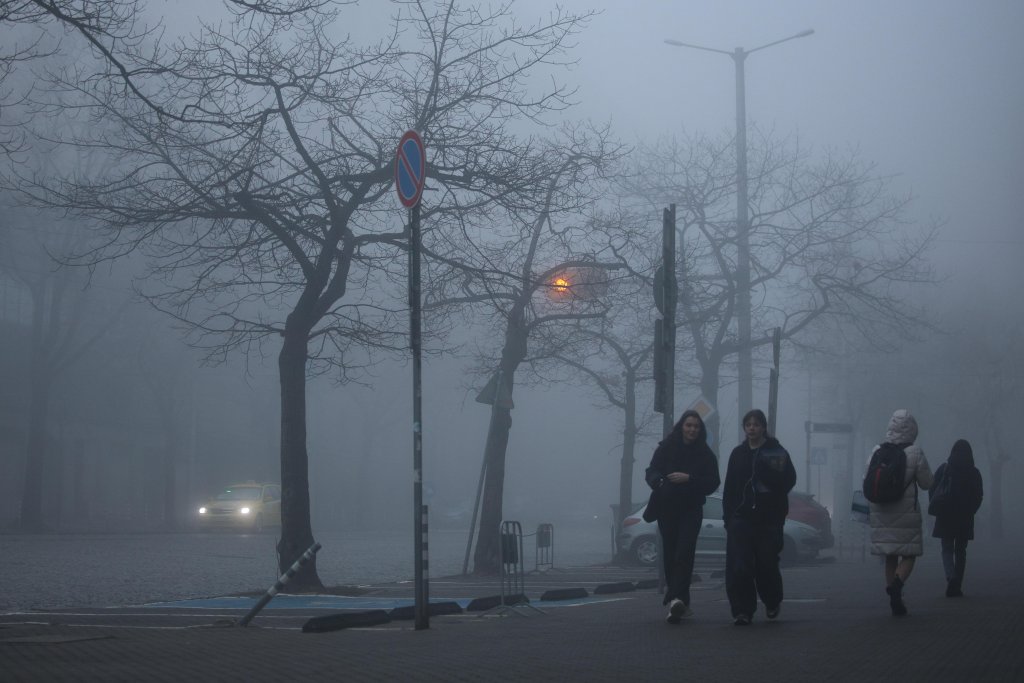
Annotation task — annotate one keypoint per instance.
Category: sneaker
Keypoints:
(772, 612)
(676, 611)
(742, 620)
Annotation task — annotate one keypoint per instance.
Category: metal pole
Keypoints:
(745, 364)
(808, 425)
(773, 386)
(421, 613)
(668, 338)
(280, 583)
(668, 260)
(807, 453)
(746, 379)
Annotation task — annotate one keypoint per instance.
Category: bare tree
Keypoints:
(23, 40)
(613, 357)
(827, 240)
(255, 166)
(67, 319)
(524, 271)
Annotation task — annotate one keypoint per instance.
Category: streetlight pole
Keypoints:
(745, 365)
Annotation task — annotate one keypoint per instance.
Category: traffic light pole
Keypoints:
(668, 260)
(773, 383)
(665, 294)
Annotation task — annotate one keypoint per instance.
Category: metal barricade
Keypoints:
(545, 555)
(513, 576)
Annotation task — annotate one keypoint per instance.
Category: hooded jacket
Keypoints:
(758, 482)
(896, 526)
(672, 455)
(967, 492)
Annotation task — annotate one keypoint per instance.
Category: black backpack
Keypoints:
(942, 497)
(883, 482)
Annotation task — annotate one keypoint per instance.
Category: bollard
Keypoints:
(280, 583)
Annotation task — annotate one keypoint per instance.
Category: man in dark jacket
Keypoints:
(755, 502)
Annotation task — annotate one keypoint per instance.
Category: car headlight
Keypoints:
(202, 510)
(244, 511)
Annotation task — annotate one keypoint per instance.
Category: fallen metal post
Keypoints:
(280, 583)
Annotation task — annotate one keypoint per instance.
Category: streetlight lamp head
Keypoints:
(804, 34)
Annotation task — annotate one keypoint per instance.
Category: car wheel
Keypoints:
(257, 524)
(645, 550)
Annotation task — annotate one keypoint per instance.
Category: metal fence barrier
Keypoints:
(513, 576)
(545, 553)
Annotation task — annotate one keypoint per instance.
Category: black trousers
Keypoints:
(679, 544)
(752, 565)
(954, 557)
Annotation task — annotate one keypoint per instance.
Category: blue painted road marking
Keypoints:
(339, 602)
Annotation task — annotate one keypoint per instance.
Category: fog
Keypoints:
(928, 92)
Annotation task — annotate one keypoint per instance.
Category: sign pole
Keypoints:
(421, 613)
(410, 175)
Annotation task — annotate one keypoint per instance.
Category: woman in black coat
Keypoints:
(954, 522)
(683, 471)
(755, 502)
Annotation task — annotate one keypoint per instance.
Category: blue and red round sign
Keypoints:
(410, 169)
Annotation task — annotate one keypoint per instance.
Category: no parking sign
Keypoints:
(410, 169)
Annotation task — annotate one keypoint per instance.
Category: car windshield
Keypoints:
(240, 493)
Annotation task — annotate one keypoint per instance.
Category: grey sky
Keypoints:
(929, 90)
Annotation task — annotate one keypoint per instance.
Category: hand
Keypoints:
(678, 477)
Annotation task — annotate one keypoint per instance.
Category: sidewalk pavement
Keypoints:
(835, 626)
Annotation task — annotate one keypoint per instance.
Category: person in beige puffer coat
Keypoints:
(896, 528)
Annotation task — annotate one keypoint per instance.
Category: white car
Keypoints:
(249, 506)
(637, 540)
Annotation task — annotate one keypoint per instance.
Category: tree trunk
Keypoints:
(486, 559)
(170, 487)
(165, 401)
(628, 451)
(35, 453)
(80, 501)
(709, 389)
(296, 529)
(995, 495)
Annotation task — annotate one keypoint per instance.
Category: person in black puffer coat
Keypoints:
(954, 524)
(682, 473)
(755, 502)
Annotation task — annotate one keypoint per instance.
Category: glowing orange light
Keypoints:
(560, 285)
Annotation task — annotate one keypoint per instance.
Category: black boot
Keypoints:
(953, 588)
(895, 591)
